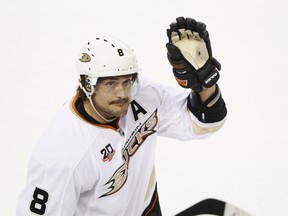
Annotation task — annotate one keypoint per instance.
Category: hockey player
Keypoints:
(97, 155)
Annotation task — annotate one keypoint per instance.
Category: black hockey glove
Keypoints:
(190, 54)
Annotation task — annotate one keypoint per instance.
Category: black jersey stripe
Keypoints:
(153, 209)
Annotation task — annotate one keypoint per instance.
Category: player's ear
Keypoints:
(87, 84)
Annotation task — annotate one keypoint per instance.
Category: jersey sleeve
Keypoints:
(176, 119)
(52, 189)
(46, 190)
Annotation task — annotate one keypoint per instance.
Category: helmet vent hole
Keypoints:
(88, 49)
(105, 40)
(93, 55)
(104, 65)
(89, 68)
(112, 45)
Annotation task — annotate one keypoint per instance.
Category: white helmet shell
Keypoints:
(105, 57)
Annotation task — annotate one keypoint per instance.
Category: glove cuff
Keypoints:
(212, 110)
(209, 73)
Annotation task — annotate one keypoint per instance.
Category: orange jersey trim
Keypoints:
(76, 112)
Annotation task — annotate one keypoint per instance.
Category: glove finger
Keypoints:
(174, 27)
(181, 22)
(174, 52)
(169, 33)
(197, 28)
(190, 24)
(191, 28)
(201, 29)
(175, 34)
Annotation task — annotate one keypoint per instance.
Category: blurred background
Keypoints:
(245, 163)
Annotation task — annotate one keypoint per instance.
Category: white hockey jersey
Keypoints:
(82, 169)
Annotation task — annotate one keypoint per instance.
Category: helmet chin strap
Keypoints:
(89, 96)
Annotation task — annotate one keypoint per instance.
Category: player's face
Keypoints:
(112, 96)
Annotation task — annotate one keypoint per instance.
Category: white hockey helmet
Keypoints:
(105, 57)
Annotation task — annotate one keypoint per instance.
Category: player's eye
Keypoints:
(111, 84)
(128, 82)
